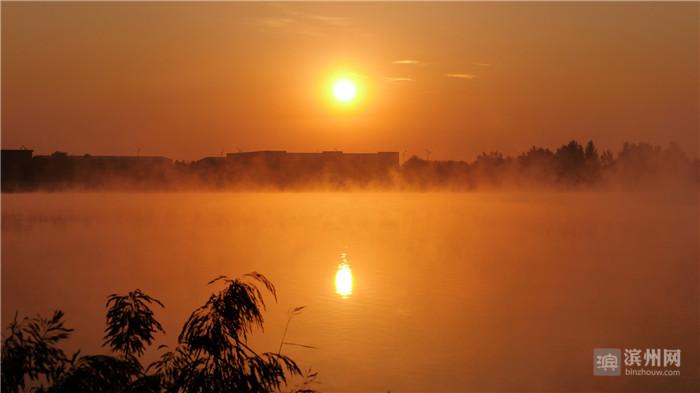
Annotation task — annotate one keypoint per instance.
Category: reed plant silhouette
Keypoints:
(212, 354)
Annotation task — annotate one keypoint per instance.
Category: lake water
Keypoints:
(452, 292)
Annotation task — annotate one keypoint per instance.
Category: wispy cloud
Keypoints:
(399, 79)
(338, 21)
(483, 64)
(409, 62)
(461, 76)
(276, 22)
(302, 22)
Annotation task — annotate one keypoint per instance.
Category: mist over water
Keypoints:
(450, 292)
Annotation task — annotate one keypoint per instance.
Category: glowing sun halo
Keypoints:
(344, 90)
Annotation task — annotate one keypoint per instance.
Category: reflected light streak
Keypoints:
(343, 278)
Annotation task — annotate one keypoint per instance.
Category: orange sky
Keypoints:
(189, 80)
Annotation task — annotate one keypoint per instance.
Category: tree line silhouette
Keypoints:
(212, 354)
(637, 165)
(572, 165)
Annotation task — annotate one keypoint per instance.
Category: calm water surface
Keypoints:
(452, 292)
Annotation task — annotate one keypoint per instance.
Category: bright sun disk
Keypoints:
(344, 90)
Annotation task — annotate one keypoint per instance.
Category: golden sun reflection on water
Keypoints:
(343, 278)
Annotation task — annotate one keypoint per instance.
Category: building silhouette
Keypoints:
(16, 168)
(271, 168)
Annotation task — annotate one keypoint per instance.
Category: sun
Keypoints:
(344, 90)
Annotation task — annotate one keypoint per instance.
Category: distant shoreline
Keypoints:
(573, 166)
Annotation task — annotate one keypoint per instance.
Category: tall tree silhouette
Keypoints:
(591, 162)
(570, 161)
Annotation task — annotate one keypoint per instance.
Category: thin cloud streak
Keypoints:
(461, 76)
(409, 62)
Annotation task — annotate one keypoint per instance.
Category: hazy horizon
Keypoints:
(404, 155)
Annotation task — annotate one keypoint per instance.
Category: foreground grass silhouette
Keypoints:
(212, 354)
